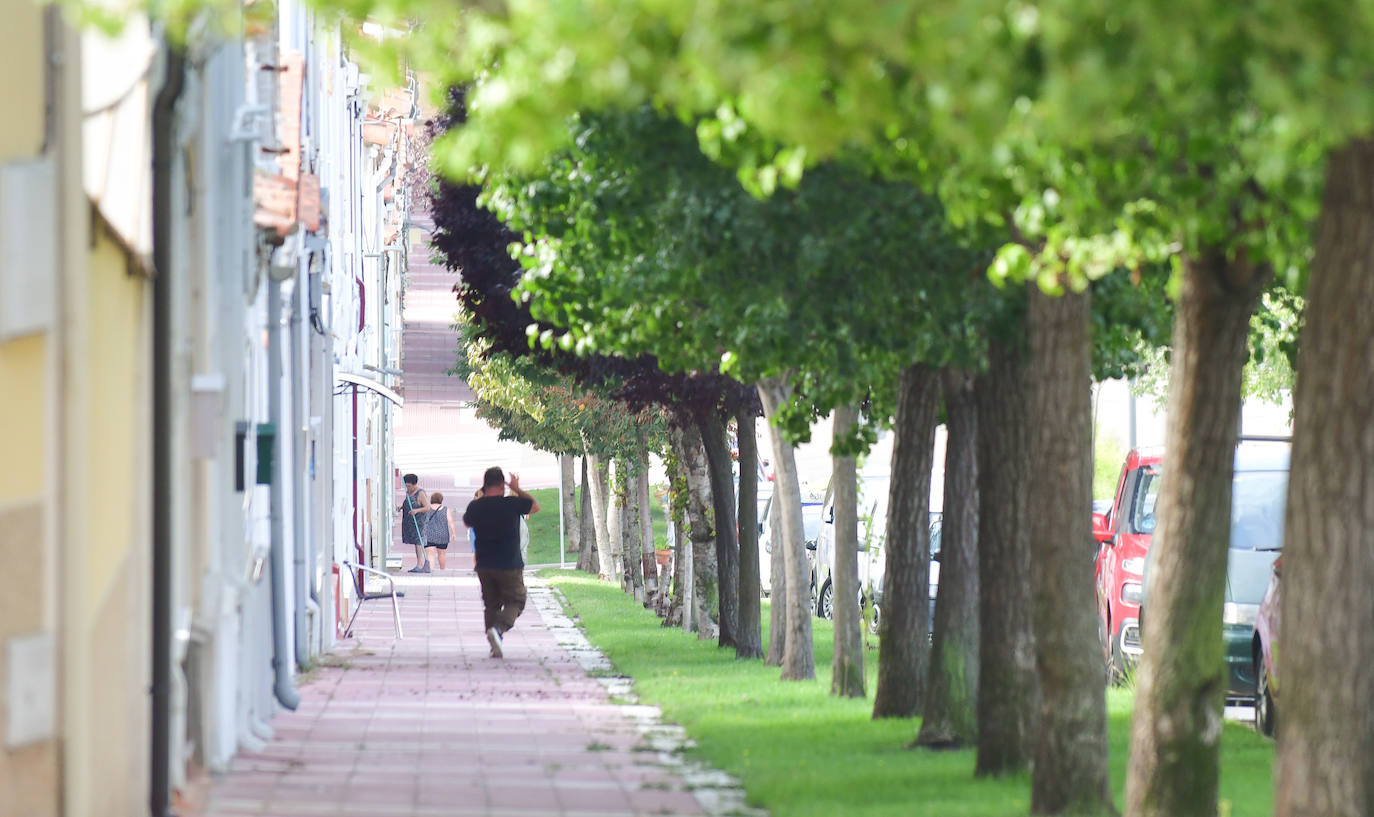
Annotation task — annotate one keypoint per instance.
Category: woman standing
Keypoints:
(413, 516)
(439, 531)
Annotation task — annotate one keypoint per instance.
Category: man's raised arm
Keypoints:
(514, 484)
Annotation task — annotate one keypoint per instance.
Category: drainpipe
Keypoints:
(281, 657)
(357, 531)
(164, 111)
(387, 475)
(300, 482)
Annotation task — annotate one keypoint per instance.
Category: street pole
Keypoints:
(1130, 394)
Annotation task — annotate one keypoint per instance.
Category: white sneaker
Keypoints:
(494, 638)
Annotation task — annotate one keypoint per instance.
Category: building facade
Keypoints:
(202, 253)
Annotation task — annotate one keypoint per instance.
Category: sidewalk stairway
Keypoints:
(432, 725)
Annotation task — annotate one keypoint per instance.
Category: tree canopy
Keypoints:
(639, 244)
(548, 410)
(472, 241)
(1111, 136)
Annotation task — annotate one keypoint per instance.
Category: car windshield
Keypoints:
(1257, 505)
(1247, 574)
(811, 516)
(1142, 514)
(811, 521)
(873, 493)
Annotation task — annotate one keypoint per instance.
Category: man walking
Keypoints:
(495, 518)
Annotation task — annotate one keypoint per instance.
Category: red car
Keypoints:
(1265, 654)
(1123, 537)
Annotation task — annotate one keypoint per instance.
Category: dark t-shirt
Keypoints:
(496, 519)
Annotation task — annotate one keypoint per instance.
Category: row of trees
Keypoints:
(1099, 153)
(849, 291)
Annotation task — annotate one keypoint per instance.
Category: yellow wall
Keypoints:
(21, 41)
(75, 407)
(28, 775)
(117, 381)
(24, 413)
(108, 557)
(23, 362)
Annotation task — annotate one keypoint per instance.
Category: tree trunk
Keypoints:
(600, 494)
(632, 537)
(648, 564)
(713, 435)
(1008, 697)
(1069, 773)
(687, 590)
(681, 545)
(701, 531)
(628, 516)
(568, 503)
(749, 635)
(950, 718)
(586, 557)
(847, 668)
(1176, 730)
(903, 643)
(1326, 751)
(798, 657)
(777, 603)
(615, 534)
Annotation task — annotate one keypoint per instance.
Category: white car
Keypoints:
(872, 536)
(811, 522)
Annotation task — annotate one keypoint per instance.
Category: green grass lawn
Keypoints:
(544, 528)
(801, 752)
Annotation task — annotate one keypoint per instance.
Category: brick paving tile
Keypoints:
(523, 795)
(664, 802)
(433, 725)
(582, 800)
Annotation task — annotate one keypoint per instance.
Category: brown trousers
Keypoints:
(503, 597)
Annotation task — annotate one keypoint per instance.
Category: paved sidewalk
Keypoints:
(431, 725)
(439, 437)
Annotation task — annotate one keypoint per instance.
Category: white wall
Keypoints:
(1112, 409)
(223, 534)
(814, 460)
